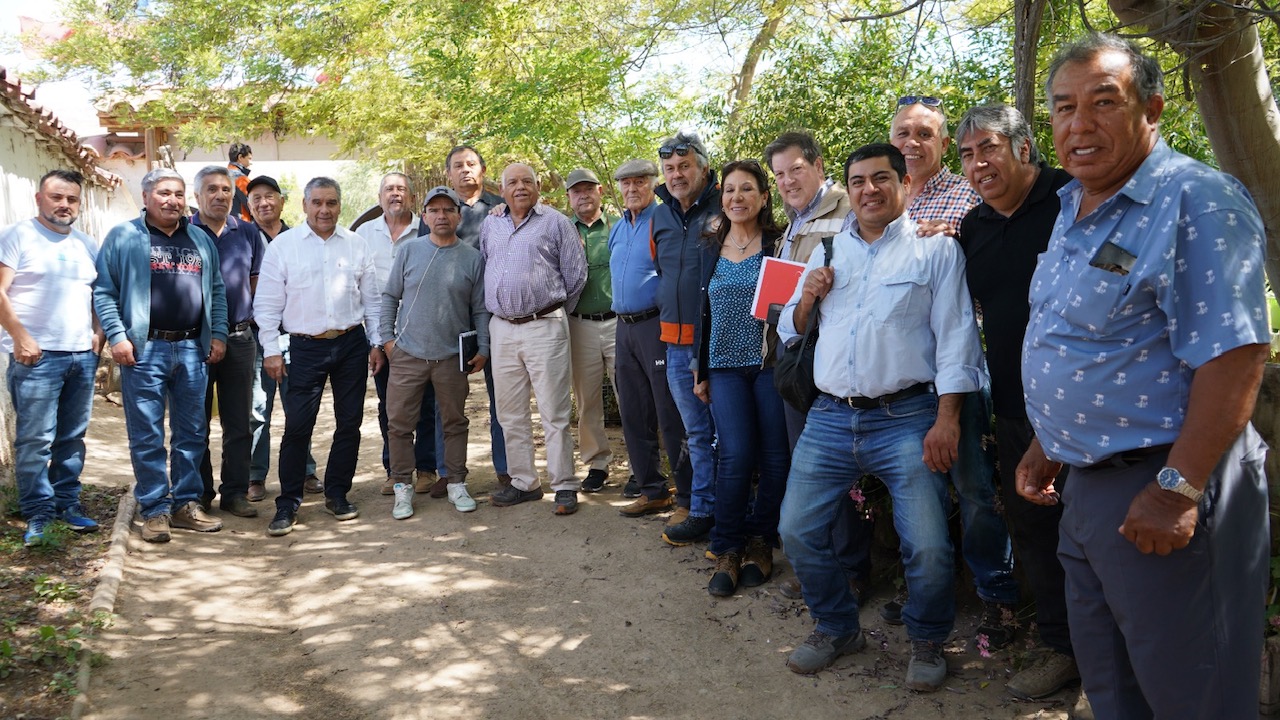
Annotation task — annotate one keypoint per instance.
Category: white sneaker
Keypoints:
(459, 497)
(404, 501)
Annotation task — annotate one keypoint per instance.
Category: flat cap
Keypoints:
(580, 175)
(442, 191)
(636, 168)
(264, 180)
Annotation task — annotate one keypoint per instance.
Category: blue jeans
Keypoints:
(985, 538)
(171, 373)
(264, 398)
(52, 400)
(839, 445)
(698, 427)
(752, 437)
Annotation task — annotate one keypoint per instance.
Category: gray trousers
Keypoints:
(1178, 636)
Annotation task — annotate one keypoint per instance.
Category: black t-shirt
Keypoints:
(177, 298)
(1000, 256)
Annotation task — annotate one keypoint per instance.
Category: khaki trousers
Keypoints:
(533, 358)
(591, 344)
(406, 381)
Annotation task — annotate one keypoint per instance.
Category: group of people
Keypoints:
(1121, 299)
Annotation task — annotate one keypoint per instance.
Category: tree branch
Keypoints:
(882, 16)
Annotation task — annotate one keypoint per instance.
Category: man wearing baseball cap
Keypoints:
(434, 292)
(592, 326)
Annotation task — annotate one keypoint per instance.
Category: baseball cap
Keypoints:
(580, 175)
(442, 191)
(264, 180)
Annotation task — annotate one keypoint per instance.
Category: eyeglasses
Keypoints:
(681, 149)
(926, 100)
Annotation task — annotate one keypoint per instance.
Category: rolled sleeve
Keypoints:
(959, 352)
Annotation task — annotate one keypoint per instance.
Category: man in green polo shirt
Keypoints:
(591, 326)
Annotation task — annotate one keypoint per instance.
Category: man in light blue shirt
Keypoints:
(1140, 368)
(897, 352)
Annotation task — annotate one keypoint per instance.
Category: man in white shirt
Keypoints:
(386, 234)
(52, 337)
(895, 395)
(318, 282)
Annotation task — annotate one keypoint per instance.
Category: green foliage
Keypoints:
(50, 590)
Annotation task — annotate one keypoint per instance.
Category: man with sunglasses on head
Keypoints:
(691, 200)
(938, 200)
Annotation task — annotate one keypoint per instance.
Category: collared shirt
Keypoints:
(531, 266)
(240, 250)
(1108, 357)
(634, 276)
(597, 294)
(946, 196)
(311, 286)
(1000, 254)
(384, 247)
(52, 288)
(798, 219)
(898, 314)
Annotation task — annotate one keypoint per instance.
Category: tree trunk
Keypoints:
(1028, 16)
(747, 75)
(1233, 92)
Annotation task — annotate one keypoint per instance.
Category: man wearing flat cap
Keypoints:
(591, 326)
(641, 357)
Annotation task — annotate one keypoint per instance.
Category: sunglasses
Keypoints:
(682, 149)
(926, 100)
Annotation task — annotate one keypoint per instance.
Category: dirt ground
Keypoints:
(501, 613)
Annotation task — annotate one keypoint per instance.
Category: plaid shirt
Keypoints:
(946, 196)
(533, 266)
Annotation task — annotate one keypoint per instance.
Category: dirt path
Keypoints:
(507, 613)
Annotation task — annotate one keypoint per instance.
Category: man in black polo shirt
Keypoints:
(1002, 238)
(239, 257)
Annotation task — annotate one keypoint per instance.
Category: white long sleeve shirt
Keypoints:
(311, 286)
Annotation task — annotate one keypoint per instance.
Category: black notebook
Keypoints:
(468, 346)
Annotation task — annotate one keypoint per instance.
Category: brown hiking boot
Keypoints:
(1045, 673)
(679, 515)
(156, 529)
(757, 562)
(644, 506)
(389, 486)
(438, 487)
(724, 581)
(192, 517)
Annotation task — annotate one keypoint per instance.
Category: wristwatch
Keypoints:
(1170, 479)
(381, 347)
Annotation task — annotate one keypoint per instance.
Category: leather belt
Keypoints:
(866, 403)
(1129, 457)
(240, 327)
(327, 335)
(633, 318)
(173, 335)
(598, 317)
(536, 316)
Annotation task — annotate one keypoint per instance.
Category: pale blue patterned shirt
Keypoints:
(898, 314)
(1108, 359)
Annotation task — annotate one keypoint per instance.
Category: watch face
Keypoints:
(1168, 478)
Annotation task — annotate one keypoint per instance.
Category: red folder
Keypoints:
(777, 283)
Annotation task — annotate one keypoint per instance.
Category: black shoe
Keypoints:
(512, 495)
(312, 484)
(997, 626)
(632, 488)
(566, 502)
(341, 509)
(206, 502)
(594, 481)
(691, 530)
(282, 523)
(238, 505)
(892, 610)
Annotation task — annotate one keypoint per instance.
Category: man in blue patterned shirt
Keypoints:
(1141, 365)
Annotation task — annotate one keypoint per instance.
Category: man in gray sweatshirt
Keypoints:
(435, 291)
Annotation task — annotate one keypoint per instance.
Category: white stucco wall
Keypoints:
(23, 160)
